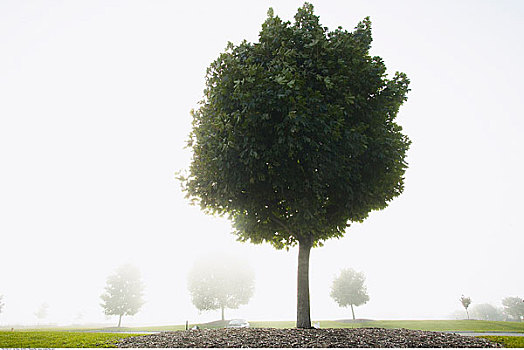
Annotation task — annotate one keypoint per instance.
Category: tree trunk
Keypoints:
(303, 316)
(353, 312)
(119, 321)
(467, 313)
(222, 313)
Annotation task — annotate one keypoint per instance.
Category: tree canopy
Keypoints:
(514, 307)
(123, 292)
(41, 313)
(348, 289)
(486, 312)
(296, 136)
(220, 282)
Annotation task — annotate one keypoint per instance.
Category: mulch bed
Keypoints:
(305, 338)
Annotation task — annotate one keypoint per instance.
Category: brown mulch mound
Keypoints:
(305, 338)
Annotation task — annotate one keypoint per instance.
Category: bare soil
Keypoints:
(305, 338)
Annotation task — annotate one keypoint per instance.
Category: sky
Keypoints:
(95, 100)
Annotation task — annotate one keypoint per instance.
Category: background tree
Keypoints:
(41, 313)
(466, 301)
(123, 293)
(2, 304)
(348, 289)
(486, 312)
(514, 307)
(296, 137)
(220, 282)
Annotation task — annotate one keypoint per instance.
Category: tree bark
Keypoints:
(119, 320)
(353, 312)
(222, 313)
(303, 315)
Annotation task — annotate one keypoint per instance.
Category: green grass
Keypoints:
(441, 325)
(214, 324)
(272, 324)
(507, 342)
(426, 325)
(149, 329)
(103, 329)
(58, 339)
(75, 337)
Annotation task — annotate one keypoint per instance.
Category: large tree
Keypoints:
(348, 289)
(220, 282)
(296, 137)
(514, 307)
(123, 292)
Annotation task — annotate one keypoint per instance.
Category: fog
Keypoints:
(94, 114)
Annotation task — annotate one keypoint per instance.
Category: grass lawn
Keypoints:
(58, 339)
(143, 329)
(425, 325)
(507, 342)
(86, 338)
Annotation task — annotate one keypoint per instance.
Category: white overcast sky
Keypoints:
(94, 113)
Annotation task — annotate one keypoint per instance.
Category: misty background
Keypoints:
(94, 114)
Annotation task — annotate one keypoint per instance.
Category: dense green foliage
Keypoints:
(348, 289)
(220, 282)
(50, 339)
(514, 307)
(123, 292)
(296, 135)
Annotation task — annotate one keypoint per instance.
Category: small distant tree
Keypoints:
(486, 312)
(348, 289)
(466, 301)
(41, 313)
(456, 315)
(79, 316)
(123, 293)
(219, 283)
(514, 307)
(2, 304)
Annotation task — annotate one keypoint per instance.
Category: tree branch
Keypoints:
(278, 221)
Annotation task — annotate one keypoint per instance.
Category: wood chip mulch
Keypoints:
(305, 338)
